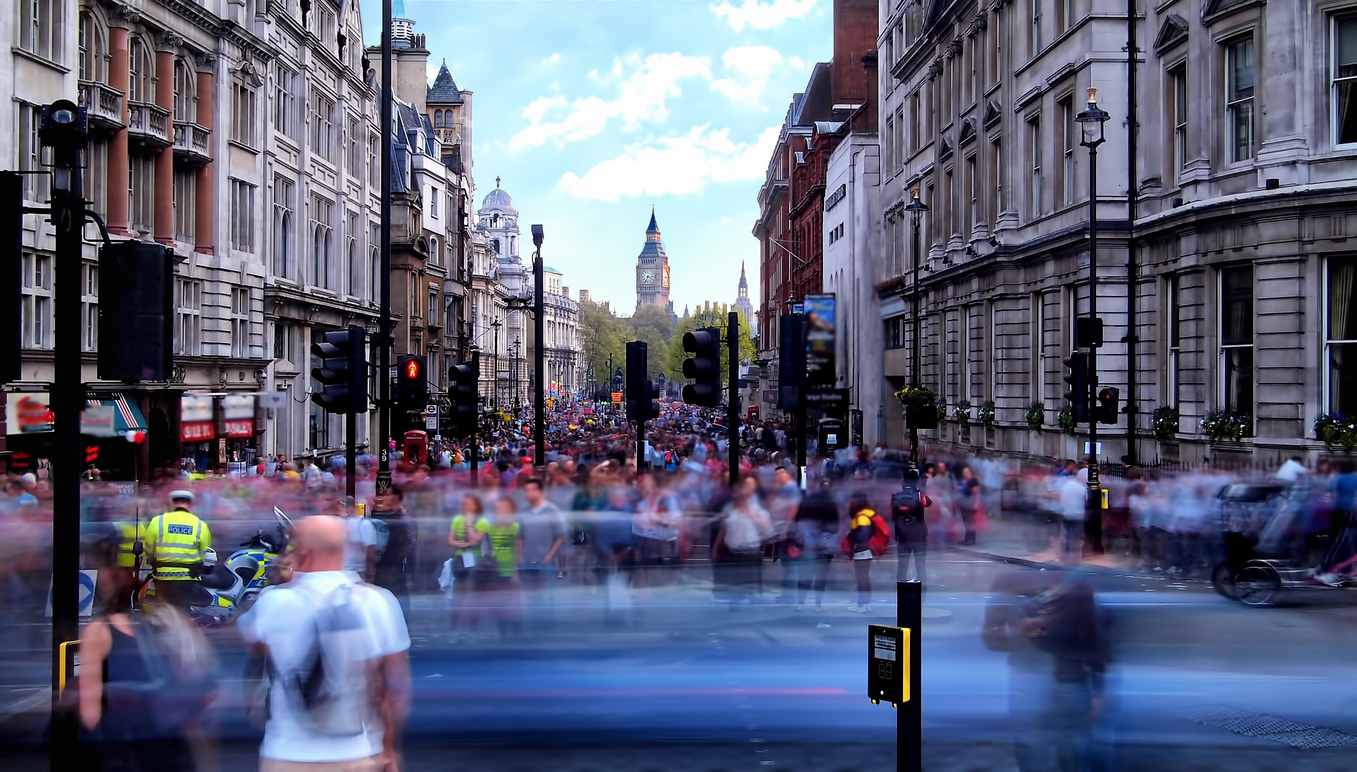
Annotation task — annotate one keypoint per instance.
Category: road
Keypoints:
(684, 683)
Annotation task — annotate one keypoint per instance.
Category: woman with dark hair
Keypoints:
(465, 540)
(863, 525)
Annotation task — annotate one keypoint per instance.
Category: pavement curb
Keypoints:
(1055, 565)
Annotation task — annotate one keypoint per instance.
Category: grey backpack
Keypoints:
(332, 683)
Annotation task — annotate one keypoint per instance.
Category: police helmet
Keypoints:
(181, 496)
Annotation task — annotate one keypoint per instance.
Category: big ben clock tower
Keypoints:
(652, 270)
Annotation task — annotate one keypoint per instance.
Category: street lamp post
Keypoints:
(1093, 123)
(495, 388)
(916, 209)
(539, 408)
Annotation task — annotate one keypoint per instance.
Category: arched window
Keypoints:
(496, 245)
(433, 250)
(183, 91)
(438, 119)
(282, 247)
(355, 269)
(139, 71)
(93, 49)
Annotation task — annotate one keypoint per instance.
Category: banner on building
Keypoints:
(819, 320)
(195, 419)
(238, 407)
(28, 413)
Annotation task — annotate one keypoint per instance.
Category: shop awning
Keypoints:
(127, 416)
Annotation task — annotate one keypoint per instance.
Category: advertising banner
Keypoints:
(238, 407)
(28, 413)
(195, 419)
(819, 320)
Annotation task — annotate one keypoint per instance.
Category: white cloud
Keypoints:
(674, 166)
(640, 97)
(748, 69)
(550, 60)
(761, 14)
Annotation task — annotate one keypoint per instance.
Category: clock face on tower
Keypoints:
(647, 277)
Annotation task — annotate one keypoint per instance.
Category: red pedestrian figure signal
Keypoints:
(412, 369)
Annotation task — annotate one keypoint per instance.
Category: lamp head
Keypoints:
(537, 236)
(1092, 121)
(915, 207)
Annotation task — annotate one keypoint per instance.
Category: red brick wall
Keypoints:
(855, 33)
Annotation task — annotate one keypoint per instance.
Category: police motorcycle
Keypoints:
(226, 591)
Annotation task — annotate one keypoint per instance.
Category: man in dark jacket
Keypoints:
(397, 562)
(911, 530)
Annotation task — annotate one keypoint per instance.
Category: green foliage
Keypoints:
(987, 415)
(1227, 426)
(1337, 431)
(1035, 416)
(708, 315)
(602, 334)
(1164, 422)
(1067, 423)
(962, 413)
(916, 396)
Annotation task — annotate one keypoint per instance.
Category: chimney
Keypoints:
(565, 292)
(584, 296)
(855, 32)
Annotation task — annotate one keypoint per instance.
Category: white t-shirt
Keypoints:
(1073, 497)
(361, 535)
(282, 620)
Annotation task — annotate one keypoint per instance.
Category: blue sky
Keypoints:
(592, 111)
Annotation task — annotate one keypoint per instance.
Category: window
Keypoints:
(1069, 131)
(41, 28)
(141, 191)
(1345, 80)
(322, 242)
(89, 308)
(1034, 30)
(1341, 339)
(322, 126)
(1236, 337)
(892, 152)
(1034, 208)
(968, 193)
(353, 231)
(240, 322)
(139, 72)
(185, 212)
(243, 118)
(324, 25)
(282, 342)
(96, 176)
(188, 317)
(93, 49)
(355, 161)
(1239, 82)
(374, 164)
(434, 195)
(433, 308)
(1037, 329)
(37, 300)
(1173, 365)
(285, 84)
(916, 123)
(37, 187)
(950, 201)
(284, 224)
(994, 39)
(184, 102)
(374, 262)
(434, 256)
(242, 215)
(996, 154)
(1064, 15)
(1178, 114)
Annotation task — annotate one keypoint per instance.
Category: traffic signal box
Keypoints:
(1077, 378)
(888, 669)
(343, 371)
(1109, 404)
(412, 387)
(703, 368)
(463, 394)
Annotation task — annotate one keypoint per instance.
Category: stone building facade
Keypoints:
(1230, 280)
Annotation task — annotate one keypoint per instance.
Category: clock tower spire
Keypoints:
(652, 270)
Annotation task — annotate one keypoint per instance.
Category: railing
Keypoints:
(191, 139)
(148, 121)
(103, 103)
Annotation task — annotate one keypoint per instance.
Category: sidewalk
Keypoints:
(1011, 540)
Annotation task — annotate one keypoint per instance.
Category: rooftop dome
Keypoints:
(498, 199)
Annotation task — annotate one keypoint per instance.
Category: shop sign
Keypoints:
(29, 413)
(236, 407)
(239, 427)
(196, 431)
(195, 409)
(97, 421)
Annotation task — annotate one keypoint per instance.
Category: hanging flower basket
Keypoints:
(962, 413)
(1164, 422)
(987, 415)
(1035, 416)
(1222, 426)
(916, 396)
(1337, 431)
(1067, 423)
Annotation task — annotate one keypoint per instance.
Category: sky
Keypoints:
(593, 111)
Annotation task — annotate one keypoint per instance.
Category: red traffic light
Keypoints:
(412, 369)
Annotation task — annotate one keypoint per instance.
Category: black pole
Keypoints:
(1132, 201)
(539, 395)
(495, 387)
(733, 403)
(1093, 519)
(68, 396)
(475, 450)
(351, 454)
(384, 328)
(915, 345)
(909, 725)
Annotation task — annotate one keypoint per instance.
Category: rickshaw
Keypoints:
(1263, 569)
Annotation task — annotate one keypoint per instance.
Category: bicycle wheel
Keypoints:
(1259, 587)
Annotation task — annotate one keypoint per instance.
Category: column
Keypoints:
(166, 46)
(202, 229)
(118, 165)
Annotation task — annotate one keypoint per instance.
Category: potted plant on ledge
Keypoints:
(1035, 416)
(1337, 431)
(962, 413)
(1164, 423)
(1067, 423)
(987, 415)
(1222, 426)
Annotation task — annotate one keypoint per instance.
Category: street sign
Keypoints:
(1089, 450)
(431, 410)
(431, 422)
(888, 664)
(617, 397)
(88, 578)
(273, 400)
(97, 421)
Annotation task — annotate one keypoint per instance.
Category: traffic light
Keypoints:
(343, 371)
(1109, 404)
(703, 368)
(636, 378)
(791, 361)
(462, 392)
(136, 323)
(650, 403)
(412, 390)
(1077, 395)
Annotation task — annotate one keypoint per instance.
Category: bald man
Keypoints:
(327, 611)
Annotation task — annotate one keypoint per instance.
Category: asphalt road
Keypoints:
(684, 683)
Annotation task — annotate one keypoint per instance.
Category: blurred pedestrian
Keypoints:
(909, 521)
(744, 528)
(816, 536)
(396, 564)
(867, 537)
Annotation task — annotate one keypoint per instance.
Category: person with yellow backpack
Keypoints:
(176, 542)
(867, 539)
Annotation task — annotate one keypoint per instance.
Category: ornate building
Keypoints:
(652, 271)
(742, 303)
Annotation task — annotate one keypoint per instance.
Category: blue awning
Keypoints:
(127, 416)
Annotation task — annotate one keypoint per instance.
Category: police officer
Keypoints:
(911, 529)
(175, 544)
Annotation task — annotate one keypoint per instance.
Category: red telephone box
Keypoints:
(752, 414)
(415, 450)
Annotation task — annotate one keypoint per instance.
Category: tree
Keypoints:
(602, 334)
(708, 315)
(656, 326)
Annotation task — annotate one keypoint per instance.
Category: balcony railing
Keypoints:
(103, 104)
(148, 123)
(190, 141)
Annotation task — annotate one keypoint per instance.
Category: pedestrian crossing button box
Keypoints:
(888, 664)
